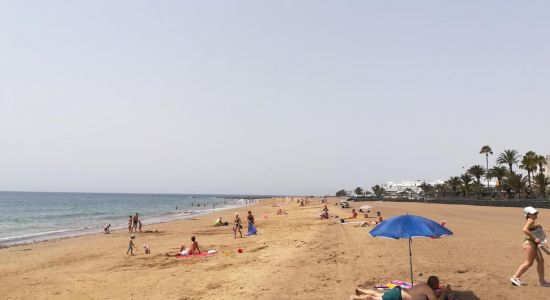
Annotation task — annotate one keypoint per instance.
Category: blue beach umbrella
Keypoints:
(408, 227)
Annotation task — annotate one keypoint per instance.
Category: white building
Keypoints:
(407, 185)
(547, 167)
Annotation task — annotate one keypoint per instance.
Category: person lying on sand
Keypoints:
(187, 251)
(378, 220)
(418, 292)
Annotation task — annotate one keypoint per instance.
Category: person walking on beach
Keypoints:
(531, 248)
(131, 245)
(130, 223)
(237, 226)
(139, 225)
(135, 222)
(251, 225)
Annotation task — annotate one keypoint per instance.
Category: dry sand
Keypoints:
(295, 256)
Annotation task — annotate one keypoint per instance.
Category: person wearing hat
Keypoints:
(531, 248)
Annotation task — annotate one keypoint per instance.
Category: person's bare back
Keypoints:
(423, 291)
(418, 292)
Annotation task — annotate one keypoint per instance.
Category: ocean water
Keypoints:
(31, 216)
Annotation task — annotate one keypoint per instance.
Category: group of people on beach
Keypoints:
(237, 226)
(534, 244)
(134, 223)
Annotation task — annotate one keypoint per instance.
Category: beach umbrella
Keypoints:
(408, 227)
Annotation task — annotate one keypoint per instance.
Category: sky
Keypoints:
(265, 97)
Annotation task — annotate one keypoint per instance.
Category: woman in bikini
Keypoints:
(531, 248)
(237, 226)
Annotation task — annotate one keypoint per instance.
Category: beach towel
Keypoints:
(393, 284)
(353, 222)
(202, 254)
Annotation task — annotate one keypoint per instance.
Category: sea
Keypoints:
(27, 217)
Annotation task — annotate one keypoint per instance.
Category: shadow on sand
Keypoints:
(465, 295)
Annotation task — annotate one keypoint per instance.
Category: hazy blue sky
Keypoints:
(265, 97)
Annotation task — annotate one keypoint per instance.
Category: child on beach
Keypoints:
(131, 245)
(107, 229)
(146, 249)
(139, 225)
(130, 223)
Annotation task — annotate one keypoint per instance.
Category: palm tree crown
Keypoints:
(508, 157)
(466, 178)
(477, 171)
(498, 172)
(529, 162)
(486, 150)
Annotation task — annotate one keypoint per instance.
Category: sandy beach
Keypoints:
(295, 256)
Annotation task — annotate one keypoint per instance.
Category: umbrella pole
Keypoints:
(411, 260)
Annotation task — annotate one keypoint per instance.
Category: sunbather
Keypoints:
(419, 291)
(184, 251)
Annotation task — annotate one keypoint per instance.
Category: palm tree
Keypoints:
(486, 150)
(454, 183)
(378, 191)
(466, 179)
(529, 162)
(440, 189)
(358, 191)
(542, 182)
(515, 182)
(508, 157)
(477, 171)
(498, 172)
(426, 188)
(541, 162)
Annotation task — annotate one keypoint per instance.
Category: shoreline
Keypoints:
(50, 236)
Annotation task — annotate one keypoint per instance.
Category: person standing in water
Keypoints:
(531, 249)
(135, 222)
